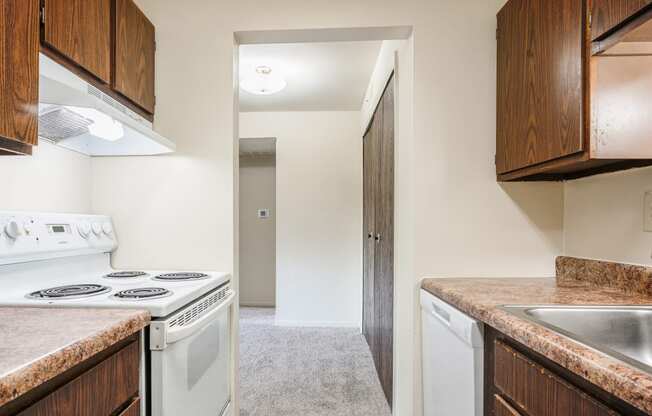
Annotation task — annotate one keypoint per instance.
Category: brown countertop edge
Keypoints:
(480, 297)
(37, 344)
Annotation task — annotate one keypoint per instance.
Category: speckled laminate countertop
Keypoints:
(479, 298)
(39, 344)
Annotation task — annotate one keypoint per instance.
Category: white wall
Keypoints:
(257, 235)
(379, 77)
(318, 214)
(53, 179)
(177, 211)
(603, 217)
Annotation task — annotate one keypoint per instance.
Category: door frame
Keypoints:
(404, 288)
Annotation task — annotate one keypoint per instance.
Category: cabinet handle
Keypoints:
(378, 237)
(370, 236)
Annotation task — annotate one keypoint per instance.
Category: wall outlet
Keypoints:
(647, 212)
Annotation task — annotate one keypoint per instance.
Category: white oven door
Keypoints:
(190, 371)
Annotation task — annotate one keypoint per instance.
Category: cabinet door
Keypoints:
(607, 14)
(81, 30)
(502, 408)
(537, 391)
(134, 55)
(101, 391)
(19, 46)
(540, 79)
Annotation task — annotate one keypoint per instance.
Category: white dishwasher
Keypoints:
(453, 351)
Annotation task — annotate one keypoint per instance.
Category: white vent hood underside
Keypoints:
(59, 87)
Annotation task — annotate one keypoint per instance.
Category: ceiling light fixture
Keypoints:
(263, 82)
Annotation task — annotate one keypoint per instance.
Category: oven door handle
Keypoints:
(180, 333)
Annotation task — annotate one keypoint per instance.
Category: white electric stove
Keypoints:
(63, 261)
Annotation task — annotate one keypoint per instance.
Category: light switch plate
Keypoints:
(647, 212)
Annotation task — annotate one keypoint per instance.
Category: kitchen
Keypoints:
(453, 219)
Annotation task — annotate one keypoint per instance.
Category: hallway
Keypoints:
(305, 371)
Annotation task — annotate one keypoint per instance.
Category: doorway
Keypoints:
(257, 210)
(320, 231)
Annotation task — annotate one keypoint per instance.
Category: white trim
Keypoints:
(316, 324)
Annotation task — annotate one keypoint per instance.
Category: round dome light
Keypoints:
(263, 82)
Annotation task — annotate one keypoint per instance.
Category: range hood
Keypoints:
(76, 115)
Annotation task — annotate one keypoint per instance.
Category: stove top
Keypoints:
(143, 293)
(129, 274)
(76, 291)
(180, 277)
(64, 260)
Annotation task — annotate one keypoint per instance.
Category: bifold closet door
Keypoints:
(384, 250)
(378, 228)
(369, 230)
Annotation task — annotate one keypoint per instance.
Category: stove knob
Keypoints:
(107, 228)
(84, 229)
(97, 228)
(28, 227)
(13, 229)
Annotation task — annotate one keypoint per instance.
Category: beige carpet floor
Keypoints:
(305, 371)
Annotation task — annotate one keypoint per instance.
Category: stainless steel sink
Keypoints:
(622, 332)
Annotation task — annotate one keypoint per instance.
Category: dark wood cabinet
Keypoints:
(108, 43)
(378, 228)
(555, 114)
(135, 47)
(81, 31)
(502, 408)
(105, 385)
(520, 382)
(537, 391)
(540, 73)
(606, 15)
(19, 73)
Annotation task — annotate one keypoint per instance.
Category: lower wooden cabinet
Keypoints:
(537, 391)
(502, 408)
(132, 410)
(109, 388)
(521, 382)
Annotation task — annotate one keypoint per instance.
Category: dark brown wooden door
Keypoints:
(370, 162)
(81, 31)
(378, 282)
(608, 14)
(19, 72)
(384, 252)
(540, 78)
(135, 48)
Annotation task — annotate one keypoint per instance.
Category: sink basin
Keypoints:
(622, 332)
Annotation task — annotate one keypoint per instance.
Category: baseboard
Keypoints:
(316, 324)
(257, 304)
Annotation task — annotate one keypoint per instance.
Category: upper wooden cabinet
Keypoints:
(539, 82)
(135, 47)
(608, 14)
(565, 107)
(81, 31)
(109, 43)
(19, 74)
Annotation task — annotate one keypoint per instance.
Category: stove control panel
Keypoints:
(29, 236)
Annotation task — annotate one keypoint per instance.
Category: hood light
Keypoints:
(102, 126)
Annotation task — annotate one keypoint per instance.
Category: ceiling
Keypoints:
(329, 76)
